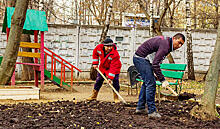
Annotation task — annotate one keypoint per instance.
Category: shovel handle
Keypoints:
(170, 89)
(111, 86)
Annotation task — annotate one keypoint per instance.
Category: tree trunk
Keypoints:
(190, 64)
(10, 56)
(151, 19)
(207, 109)
(106, 26)
(195, 20)
(216, 25)
(27, 70)
(217, 14)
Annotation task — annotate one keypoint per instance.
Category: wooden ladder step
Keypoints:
(29, 45)
(29, 54)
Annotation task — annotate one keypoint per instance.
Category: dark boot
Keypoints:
(93, 96)
(116, 97)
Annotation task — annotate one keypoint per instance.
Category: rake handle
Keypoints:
(111, 86)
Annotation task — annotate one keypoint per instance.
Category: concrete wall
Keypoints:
(75, 44)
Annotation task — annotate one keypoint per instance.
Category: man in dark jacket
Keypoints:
(157, 48)
(110, 66)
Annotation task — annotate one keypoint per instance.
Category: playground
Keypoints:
(62, 101)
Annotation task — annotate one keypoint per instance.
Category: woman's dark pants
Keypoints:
(100, 79)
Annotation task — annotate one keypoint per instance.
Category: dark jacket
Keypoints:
(162, 46)
(110, 64)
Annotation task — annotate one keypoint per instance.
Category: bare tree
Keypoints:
(107, 24)
(217, 14)
(190, 63)
(172, 12)
(27, 71)
(98, 10)
(207, 109)
(10, 56)
(122, 6)
(195, 20)
(151, 19)
(2, 6)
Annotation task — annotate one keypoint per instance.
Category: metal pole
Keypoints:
(77, 51)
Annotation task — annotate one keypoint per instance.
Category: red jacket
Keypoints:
(110, 65)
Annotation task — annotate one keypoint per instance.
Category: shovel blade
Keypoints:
(180, 97)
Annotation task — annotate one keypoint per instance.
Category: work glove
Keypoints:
(110, 81)
(95, 66)
(165, 84)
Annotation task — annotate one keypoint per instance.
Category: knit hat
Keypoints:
(108, 42)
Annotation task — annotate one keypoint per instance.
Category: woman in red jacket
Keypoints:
(106, 56)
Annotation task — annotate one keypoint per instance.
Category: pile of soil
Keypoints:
(95, 114)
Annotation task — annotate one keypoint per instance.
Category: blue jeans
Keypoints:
(148, 89)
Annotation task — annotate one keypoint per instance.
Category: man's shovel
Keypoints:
(171, 90)
(181, 97)
(111, 86)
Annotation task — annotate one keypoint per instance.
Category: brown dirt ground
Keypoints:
(83, 91)
(62, 112)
